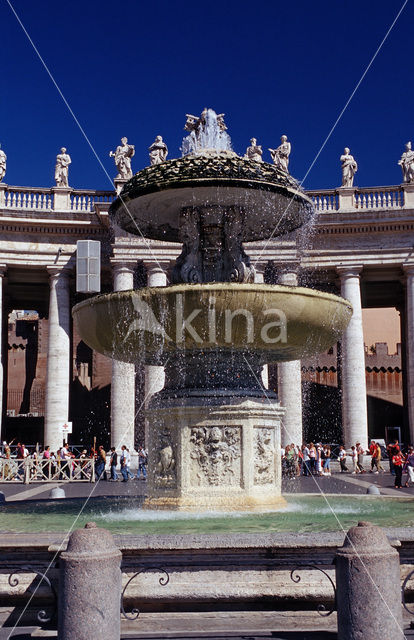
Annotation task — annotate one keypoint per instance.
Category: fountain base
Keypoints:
(214, 454)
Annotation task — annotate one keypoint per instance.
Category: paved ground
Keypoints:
(336, 484)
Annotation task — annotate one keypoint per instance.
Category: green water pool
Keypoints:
(302, 514)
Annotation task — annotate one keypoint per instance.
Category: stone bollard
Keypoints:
(368, 586)
(90, 586)
(373, 490)
(2, 497)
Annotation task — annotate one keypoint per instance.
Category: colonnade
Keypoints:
(123, 409)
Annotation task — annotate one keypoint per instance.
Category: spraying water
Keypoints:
(207, 134)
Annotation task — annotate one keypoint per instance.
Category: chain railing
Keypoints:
(31, 470)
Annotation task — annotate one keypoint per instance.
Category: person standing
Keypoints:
(393, 448)
(100, 464)
(125, 457)
(342, 459)
(398, 462)
(354, 459)
(360, 457)
(113, 463)
(410, 466)
(142, 463)
(377, 459)
(327, 461)
(306, 460)
(6, 466)
(312, 458)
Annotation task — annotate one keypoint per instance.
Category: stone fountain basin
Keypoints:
(271, 200)
(275, 322)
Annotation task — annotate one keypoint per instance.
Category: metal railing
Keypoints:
(31, 470)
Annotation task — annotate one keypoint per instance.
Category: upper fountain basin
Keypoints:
(275, 322)
(151, 202)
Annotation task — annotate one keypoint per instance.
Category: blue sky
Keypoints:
(135, 68)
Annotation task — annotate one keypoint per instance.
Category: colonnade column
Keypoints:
(58, 357)
(3, 354)
(154, 375)
(289, 384)
(409, 346)
(123, 378)
(354, 394)
(259, 279)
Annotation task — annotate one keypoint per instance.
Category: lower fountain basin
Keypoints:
(275, 322)
(301, 514)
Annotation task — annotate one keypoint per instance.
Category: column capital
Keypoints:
(154, 264)
(349, 271)
(408, 269)
(57, 271)
(127, 267)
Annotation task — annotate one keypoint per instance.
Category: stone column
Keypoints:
(58, 358)
(354, 395)
(123, 378)
(154, 375)
(409, 344)
(259, 279)
(289, 384)
(2, 353)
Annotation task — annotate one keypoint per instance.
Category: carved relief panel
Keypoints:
(165, 461)
(264, 456)
(215, 455)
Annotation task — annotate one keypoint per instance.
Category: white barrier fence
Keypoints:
(29, 470)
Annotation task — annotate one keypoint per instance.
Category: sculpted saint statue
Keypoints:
(349, 168)
(123, 154)
(407, 163)
(63, 161)
(3, 159)
(280, 156)
(158, 151)
(254, 152)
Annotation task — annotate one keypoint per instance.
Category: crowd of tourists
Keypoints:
(57, 464)
(314, 459)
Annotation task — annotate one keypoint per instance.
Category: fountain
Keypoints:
(214, 429)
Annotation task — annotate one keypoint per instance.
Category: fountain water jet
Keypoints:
(215, 430)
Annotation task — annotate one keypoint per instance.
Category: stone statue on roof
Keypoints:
(280, 156)
(254, 152)
(158, 151)
(349, 168)
(3, 159)
(123, 154)
(406, 163)
(63, 160)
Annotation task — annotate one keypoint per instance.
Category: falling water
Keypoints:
(207, 133)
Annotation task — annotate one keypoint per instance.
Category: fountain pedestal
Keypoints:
(224, 456)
